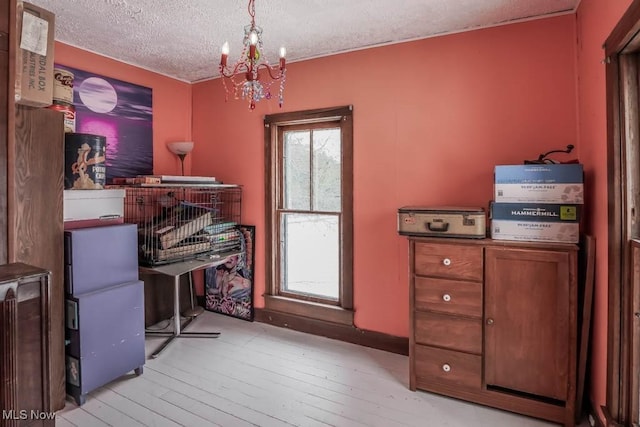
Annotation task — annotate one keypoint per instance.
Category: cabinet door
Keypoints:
(36, 234)
(527, 321)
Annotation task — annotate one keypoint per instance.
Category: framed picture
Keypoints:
(229, 286)
(120, 111)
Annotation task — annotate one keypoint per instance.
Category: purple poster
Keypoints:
(120, 111)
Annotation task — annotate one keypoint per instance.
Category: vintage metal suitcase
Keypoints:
(446, 221)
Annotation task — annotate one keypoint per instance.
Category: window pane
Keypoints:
(326, 170)
(297, 170)
(310, 255)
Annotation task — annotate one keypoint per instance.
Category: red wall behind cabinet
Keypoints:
(171, 101)
(431, 120)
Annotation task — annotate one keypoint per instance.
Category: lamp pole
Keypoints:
(182, 156)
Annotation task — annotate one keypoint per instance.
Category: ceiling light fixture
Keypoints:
(245, 78)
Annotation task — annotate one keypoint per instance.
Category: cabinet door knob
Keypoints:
(489, 321)
(446, 297)
(446, 367)
(446, 261)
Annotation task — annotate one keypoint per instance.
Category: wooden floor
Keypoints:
(259, 375)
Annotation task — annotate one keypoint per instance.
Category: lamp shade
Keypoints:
(180, 147)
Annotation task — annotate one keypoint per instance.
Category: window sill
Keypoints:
(314, 310)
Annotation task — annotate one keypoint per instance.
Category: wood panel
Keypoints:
(528, 321)
(449, 367)
(9, 352)
(335, 331)
(586, 279)
(4, 17)
(443, 330)
(35, 223)
(621, 49)
(634, 335)
(448, 296)
(449, 261)
(4, 122)
(4, 129)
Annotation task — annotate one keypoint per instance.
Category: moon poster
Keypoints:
(120, 111)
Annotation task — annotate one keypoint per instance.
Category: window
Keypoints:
(310, 213)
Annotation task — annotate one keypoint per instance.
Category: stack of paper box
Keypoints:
(541, 202)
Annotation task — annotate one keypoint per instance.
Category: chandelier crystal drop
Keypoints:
(251, 77)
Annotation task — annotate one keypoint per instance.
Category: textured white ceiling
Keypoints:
(182, 38)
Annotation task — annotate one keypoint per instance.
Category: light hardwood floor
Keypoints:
(259, 375)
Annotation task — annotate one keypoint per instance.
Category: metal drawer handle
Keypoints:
(446, 367)
(446, 297)
(446, 261)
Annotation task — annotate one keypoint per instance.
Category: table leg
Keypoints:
(176, 305)
(177, 324)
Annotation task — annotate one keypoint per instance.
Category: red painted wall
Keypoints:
(595, 20)
(171, 101)
(431, 120)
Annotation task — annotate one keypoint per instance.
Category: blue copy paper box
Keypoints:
(548, 183)
(539, 174)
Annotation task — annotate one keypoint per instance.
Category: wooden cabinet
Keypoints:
(495, 323)
(35, 223)
(31, 188)
(24, 345)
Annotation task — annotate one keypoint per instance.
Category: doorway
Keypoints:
(622, 50)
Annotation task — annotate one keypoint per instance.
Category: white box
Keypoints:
(563, 232)
(544, 183)
(538, 193)
(571, 173)
(93, 204)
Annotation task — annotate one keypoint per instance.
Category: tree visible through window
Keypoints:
(310, 215)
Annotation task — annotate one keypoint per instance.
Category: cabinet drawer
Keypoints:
(448, 261)
(445, 366)
(443, 330)
(448, 296)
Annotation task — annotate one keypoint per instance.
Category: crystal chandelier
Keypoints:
(251, 76)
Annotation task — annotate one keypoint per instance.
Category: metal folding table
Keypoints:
(176, 270)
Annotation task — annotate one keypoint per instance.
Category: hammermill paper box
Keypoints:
(546, 183)
(34, 55)
(536, 222)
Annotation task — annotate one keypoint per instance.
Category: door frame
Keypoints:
(622, 59)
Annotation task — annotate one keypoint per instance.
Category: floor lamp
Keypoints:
(181, 149)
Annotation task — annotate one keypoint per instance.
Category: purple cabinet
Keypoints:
(104, 307)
